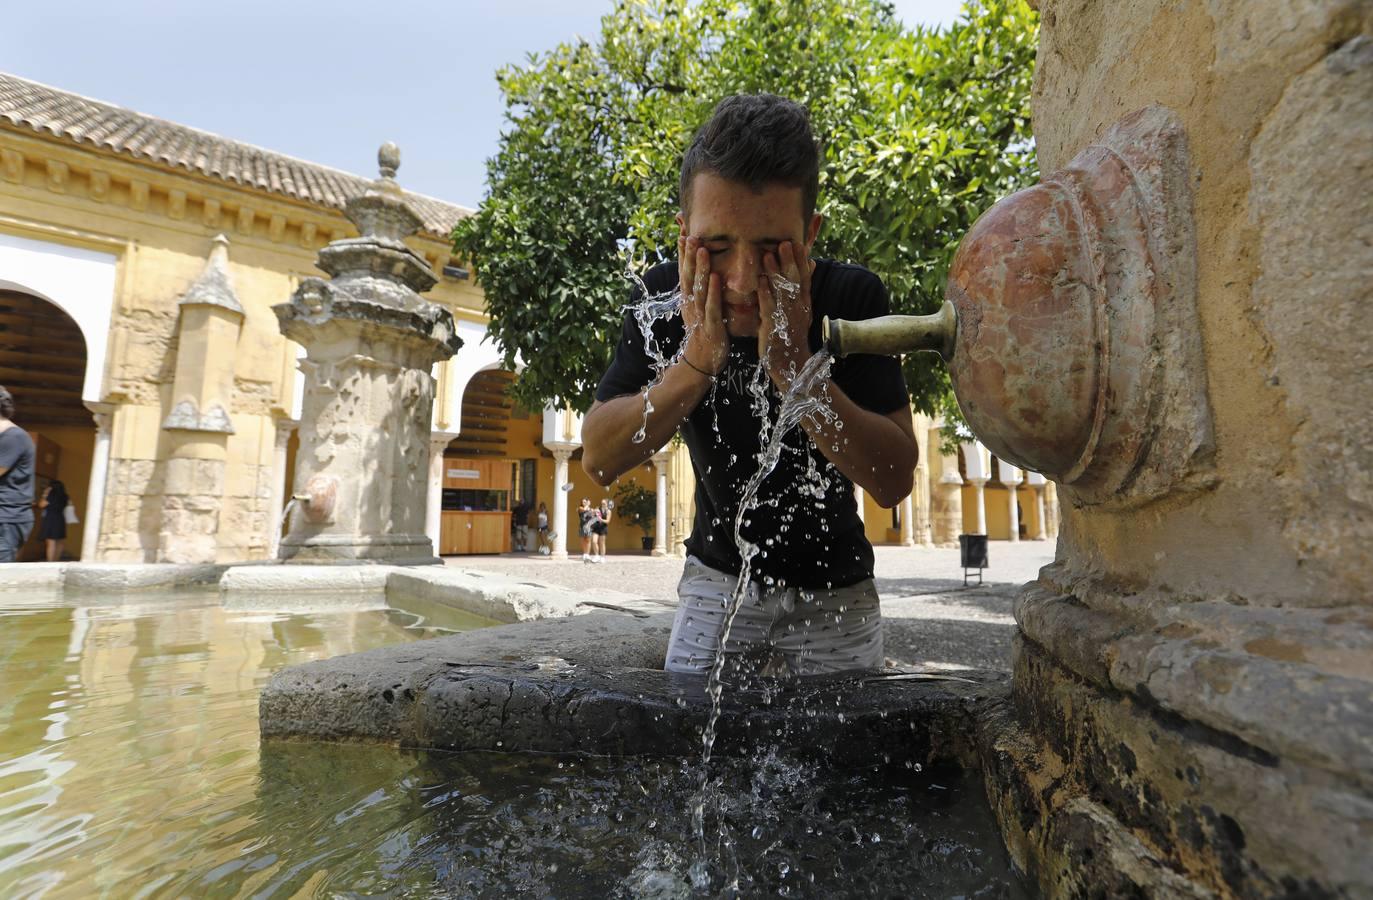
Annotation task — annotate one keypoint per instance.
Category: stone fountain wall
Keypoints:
(1194, 675)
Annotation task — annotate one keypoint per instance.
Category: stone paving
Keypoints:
(930, 618)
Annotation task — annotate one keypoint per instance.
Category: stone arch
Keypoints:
(78, 282)
(478, 354)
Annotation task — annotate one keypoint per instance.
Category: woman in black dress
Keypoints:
(53, 526)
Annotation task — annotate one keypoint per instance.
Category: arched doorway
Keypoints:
(43, 364)
(482, 477)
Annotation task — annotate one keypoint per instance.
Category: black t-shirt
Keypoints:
(16, 485)
(805, 541)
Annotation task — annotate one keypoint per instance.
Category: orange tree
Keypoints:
(921, 131)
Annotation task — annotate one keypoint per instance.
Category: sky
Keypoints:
(323, 81)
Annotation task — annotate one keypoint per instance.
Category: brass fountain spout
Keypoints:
(894, 335)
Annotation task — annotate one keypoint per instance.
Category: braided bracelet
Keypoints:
(699, 369)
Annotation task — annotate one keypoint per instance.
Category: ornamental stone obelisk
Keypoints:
(371, 342)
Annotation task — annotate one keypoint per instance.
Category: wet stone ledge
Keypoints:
(591, 685)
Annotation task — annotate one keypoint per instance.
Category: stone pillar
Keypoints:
(559, 525)
(433, 503)
(908, 526)
(682, 503)
(370, 343)
(95, 495)
(1037, 482)
(977, 462)
(946, 492)
(198, 427)
(660, 461)
(859, 498)
(277, 510)
(1050, 498)
(1011, 477)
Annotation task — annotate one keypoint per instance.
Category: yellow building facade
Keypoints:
(139, 264)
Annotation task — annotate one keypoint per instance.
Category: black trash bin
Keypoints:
(972, 553)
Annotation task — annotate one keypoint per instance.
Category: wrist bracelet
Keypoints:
(699, 369)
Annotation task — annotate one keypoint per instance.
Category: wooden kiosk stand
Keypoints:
(476, 506)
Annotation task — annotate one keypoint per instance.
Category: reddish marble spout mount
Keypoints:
(1069, 320)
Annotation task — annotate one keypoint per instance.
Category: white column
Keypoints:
(1037, 481)
(433, 508)
(1011, 477)
(907, 521)
(559, 524)
(981, 505)
(977, 462)
(100, 467)
(660, 461)
(860, 499)
(284, 428)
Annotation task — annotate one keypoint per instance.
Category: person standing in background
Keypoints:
(587, 517)
(52, 526)
(542, 524)
(16, 481)
(600, 528)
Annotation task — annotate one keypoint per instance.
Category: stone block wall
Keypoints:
(1193, 691)
(1277, 102)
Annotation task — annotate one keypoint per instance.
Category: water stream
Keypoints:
(805, 397)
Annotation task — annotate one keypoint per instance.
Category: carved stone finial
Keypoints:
(214, 286)
(388, 158)
(219, 249)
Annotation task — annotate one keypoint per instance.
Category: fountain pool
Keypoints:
(131, 764)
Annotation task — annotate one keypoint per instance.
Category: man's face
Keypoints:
(738, 225)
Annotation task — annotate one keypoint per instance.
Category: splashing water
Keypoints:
(651, 309)
(805, 397)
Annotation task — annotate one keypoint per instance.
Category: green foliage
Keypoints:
(637, 504)
(921, 131)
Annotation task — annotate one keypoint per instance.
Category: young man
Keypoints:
(751, 292)
(16, 482)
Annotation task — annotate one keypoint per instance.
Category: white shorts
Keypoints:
(780, 630)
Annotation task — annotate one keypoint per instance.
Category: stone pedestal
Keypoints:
(1192, 710)
(362, 470)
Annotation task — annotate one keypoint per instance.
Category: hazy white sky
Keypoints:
(323, 81)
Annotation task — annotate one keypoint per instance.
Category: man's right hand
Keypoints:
(707, 341)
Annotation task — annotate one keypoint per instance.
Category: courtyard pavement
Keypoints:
(930, 618)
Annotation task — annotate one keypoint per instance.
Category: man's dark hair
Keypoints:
(6, 403)
(756, 139)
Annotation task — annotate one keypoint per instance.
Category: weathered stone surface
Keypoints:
(1194, 694)
(1080, 773)
(594, 684)
(371, 342)
(1274, 100)
(489, 596)
(113, 577)
(505, 599)
(271, 579)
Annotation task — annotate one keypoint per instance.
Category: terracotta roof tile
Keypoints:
(37, 107)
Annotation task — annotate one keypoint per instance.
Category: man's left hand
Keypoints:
(784, 312)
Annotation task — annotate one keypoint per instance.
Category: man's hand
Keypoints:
(784, 312)
(707, 342)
